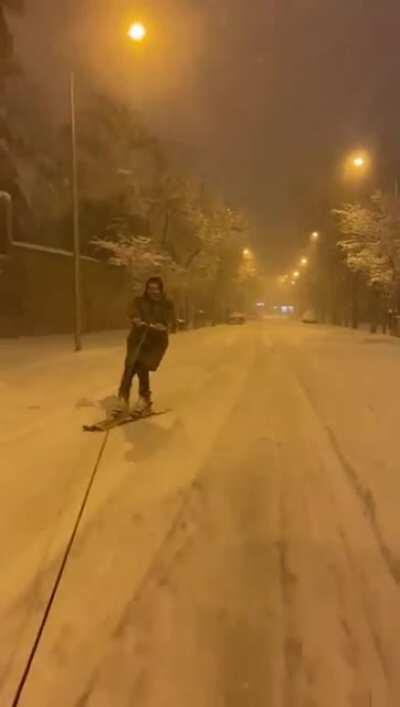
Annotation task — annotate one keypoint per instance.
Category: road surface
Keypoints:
(241, 551)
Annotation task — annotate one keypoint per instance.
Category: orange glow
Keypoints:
(137, 32)
(359, 162)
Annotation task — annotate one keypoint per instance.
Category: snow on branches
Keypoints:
(139, 256)
(371, 239)
(190, 259)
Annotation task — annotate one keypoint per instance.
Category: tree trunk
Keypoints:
(354, 301)
(165, 229)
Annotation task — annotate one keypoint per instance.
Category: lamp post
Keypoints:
(137, 33)
(7, 199)
(76, 229)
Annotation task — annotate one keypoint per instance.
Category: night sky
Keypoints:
(263, 97)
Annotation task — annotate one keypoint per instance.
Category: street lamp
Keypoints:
(137, 32)
(314, 236)
(247, 253)
(304, 262)
(357, 165)
(359, 162)
(76, 230)
(296, 274)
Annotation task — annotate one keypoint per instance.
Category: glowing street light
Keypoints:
(359, 161)
(304, 262)
(137, 32)
(314, 236)
(296, 274)
(247, 253)
(361, 164)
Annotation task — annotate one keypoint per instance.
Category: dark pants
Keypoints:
(144, 380)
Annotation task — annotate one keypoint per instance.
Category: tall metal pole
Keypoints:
(76, 233)
(6, 197)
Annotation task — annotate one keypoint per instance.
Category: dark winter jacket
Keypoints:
(155, 343)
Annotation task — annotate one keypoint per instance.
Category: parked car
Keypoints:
(309, 317)
(237, 318)
(181, 324)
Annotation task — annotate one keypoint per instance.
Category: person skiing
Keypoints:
(152, 317)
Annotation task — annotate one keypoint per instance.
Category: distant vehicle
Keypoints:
(284, 310)
(181, 324)
(236, 318)
(309, 318)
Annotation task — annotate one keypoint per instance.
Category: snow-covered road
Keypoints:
(242, 551)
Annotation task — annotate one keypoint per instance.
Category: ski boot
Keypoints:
(121, 407)
(143, 407)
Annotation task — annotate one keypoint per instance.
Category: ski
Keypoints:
(120, 420)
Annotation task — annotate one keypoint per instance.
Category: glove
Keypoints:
(139, 323)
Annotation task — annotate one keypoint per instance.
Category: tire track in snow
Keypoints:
(363, 494)
(361, 644)
(367, 501)
(292, 649)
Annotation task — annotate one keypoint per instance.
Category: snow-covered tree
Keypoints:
(371, 239)
(9, 174)
(140, 256)
(197, 268)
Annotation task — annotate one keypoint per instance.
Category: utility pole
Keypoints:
(7, 199)
(76, 232)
